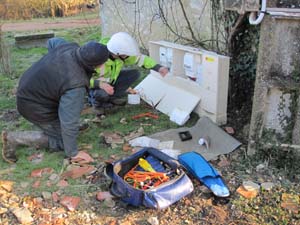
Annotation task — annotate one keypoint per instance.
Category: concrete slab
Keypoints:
(33, 40)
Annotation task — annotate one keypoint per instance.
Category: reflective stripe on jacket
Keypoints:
(112, 68)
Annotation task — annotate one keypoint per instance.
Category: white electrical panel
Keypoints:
(188, 65)
(203, 73)
(192, 66)
(166, 57)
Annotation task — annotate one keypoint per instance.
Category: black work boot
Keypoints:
(11, 140)
(118, 101)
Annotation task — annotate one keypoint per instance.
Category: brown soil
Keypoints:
(46, 25)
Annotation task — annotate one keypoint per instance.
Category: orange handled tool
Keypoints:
(147, 114)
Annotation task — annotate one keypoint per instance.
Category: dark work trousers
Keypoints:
(99, 98)
(53, 131)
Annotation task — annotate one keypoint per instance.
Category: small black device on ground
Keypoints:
(185, 135)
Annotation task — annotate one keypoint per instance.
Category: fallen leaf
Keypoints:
(62, 183)
(290, 198)
(23, 215)
(78, 171)
(153, 220)
(290, 202)
(82, 158)
(246, 194)
(220, 213)
(103, 195)
(36, 158)
(3, 210)
(112, 138)
(48, 183)
(135, 134)
(40, 172)
(123, 121)
(109, 202)
(36, 184)
(126, 223)
(109, 161)
(55, 197)
(70, 202)
(6, 185)
(114, 222)
(30, 202)
(229, 130)
(293, 207)
(113, 156)
(223, 163)
(44, 216)
(58, 211)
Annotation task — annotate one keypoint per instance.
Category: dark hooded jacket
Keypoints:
(42, 85)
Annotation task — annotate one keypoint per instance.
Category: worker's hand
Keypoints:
(107, 88)
(163, 71)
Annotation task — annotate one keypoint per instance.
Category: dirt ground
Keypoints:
(46, 25)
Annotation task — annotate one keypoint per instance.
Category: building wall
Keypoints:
(144, 20)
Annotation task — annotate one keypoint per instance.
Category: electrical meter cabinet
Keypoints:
(198, 81)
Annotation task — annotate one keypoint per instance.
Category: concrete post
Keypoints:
(277, 72)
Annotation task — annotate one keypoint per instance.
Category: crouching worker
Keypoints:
(51, 95)
(110, 85)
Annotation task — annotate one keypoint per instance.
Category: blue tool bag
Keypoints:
(176, 187)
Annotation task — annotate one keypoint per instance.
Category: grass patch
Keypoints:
(23, 59)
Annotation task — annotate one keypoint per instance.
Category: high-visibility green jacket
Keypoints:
(112, 68)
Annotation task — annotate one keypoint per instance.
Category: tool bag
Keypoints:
(158, 197)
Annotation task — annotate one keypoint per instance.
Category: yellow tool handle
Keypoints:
(145, 165)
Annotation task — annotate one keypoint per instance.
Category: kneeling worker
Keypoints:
(51, 95)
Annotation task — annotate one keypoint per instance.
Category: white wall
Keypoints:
(142, 18)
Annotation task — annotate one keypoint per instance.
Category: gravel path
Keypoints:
(50, 24)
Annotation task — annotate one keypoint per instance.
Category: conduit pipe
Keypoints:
(252, 18)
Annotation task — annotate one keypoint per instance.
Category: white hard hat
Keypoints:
(123, 44)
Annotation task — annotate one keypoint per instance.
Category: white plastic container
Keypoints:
(134, 99)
